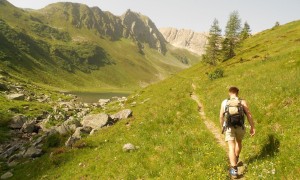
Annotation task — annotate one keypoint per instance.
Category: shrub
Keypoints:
(218, 73)
(54, 140)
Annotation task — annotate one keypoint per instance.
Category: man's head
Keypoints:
(233, 91)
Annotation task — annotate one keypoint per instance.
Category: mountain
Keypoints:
(66, 43)
(172, 140)
(187, 39)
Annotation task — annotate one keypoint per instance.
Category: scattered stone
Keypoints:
(33, 152)
(38, 140)
(12, 164)
(103, 102)
(133, 104)
(122, 99)
(14, 157)
(7, 175)
(71, 141)
(124, 114)
(16, 97)
(29, 127)
(18, 121)
(128, 147)
(96, 121)
(82, 130)
(10, 151)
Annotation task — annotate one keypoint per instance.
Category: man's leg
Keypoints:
(231, 153)
(238, 147)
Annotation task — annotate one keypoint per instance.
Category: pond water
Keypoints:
(93, 97)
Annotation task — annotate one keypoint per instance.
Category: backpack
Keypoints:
(234, 113)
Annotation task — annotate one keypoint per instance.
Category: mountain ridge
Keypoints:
(79, 43)
(186, 38)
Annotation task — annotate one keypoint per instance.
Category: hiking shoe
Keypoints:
(233, 172)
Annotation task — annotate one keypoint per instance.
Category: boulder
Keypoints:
(7, 175)
(128, 147)
(29, 127)
(79, 132)
(68, 126)
(18, 121)
(82, 130)
(96, 121)
(16, 97)
(124, 114)
(33, 152)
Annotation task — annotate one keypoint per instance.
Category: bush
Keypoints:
(218, 73)
(54, 140)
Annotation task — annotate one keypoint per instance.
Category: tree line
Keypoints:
(221, 48)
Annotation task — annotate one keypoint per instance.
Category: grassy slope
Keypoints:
(117, 75)
(269, 79)
(174, 142)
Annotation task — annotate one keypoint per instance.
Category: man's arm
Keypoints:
(249, 117)
(222, 115)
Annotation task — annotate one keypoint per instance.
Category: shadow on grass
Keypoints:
(270, 149)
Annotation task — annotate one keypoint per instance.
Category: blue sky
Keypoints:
(197, 15)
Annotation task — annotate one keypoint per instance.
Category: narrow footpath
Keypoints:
(208, 123)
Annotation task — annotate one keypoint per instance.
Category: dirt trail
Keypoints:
(208, 123)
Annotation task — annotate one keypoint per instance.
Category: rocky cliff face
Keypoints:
(187, 39)
(132, 25)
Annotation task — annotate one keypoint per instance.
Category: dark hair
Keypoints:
(234, 90)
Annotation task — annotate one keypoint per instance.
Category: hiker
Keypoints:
(232, 115)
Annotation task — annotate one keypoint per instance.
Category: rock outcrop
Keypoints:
(187, 39)
(131, 25)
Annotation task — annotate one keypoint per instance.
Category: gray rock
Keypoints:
(68, 126)
(33, 152)
(71, 141)
(16, 97)
(18, 121)
(82, 130)
(15, 157)
(124, 114)
(128, 147)
(10, 151)
(103, 102)
(7, 175)
(12, 164)
(96, 121)
(79, 132)
(28, 127)
(38, 140)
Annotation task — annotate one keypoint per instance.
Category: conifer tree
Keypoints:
(213, 48)
(232, 35)
(246, 31)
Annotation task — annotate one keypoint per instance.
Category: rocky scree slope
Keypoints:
(187, 39)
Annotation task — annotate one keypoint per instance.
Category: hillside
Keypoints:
(66, 43)
(186, 39)
(173, 140)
